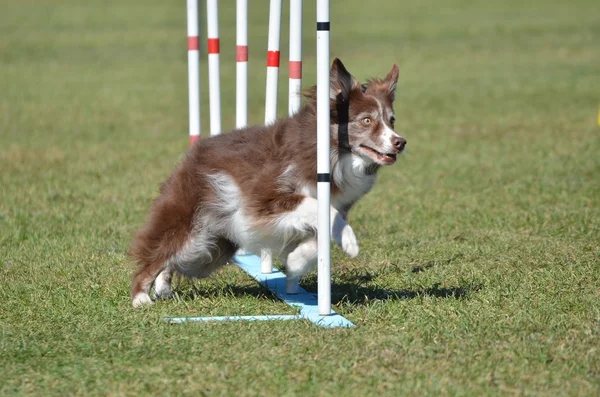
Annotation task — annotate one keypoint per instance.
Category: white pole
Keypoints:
(273, 61)
(295, 71)
(266, 261)
(323, 164)
(295, 86)
(212, 23)
(241, 84)
(193, 70)
(266, 264)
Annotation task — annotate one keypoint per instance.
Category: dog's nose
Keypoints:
(399, 143)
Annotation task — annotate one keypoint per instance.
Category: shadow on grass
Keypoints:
(353, 289)
(187, 290)
(418, 268)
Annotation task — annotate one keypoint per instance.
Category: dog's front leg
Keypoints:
(304, 217)
(342, 234)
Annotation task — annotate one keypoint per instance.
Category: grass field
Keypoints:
(479, 271)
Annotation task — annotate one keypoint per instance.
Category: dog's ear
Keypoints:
(341, 82)
(390, 82)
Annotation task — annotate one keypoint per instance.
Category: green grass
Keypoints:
(479, 270)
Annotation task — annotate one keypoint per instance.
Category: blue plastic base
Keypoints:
(305, 301)
(177, 320)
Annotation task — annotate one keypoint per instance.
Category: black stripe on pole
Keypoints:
(323, 26)
(324, 177)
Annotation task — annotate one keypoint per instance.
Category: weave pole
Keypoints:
(241, 58)
(266, 257)
(212, 26)
(295, 87)
(295, 67)
(273, 61)
(323, 162)
(193, 70)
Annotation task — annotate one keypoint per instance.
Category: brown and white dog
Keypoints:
(256, 188)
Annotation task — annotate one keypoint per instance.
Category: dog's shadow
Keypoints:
(353, 289)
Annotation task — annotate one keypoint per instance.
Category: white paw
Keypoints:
(164, 293)
(141, 299)
(349, 242)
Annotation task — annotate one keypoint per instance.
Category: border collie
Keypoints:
(256, 188)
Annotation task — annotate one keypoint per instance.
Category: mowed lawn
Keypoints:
(479, 271)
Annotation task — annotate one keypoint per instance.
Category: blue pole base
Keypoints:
(178, 320)
(275, 282)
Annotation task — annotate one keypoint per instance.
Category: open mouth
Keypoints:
(383, 158)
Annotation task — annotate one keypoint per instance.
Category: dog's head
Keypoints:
(364, 115)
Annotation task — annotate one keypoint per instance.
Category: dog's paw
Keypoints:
(141, 299)
(161, 294)
(162, 288)
(349, 242)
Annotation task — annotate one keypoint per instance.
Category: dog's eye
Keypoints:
(392, 121)
(366, 121)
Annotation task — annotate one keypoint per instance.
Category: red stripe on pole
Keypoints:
(273, 58)
(193, 139)
(241, 53)
(295, 69)
(213, 46)
(193, 43)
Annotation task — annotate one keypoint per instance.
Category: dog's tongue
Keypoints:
(387, 158)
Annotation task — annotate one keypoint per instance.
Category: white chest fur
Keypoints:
(353, 176)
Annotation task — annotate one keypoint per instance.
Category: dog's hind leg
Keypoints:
(164, 236)
(142, 282)
(302, 259)
(151, 266)
(162, 284)
(203, 256)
